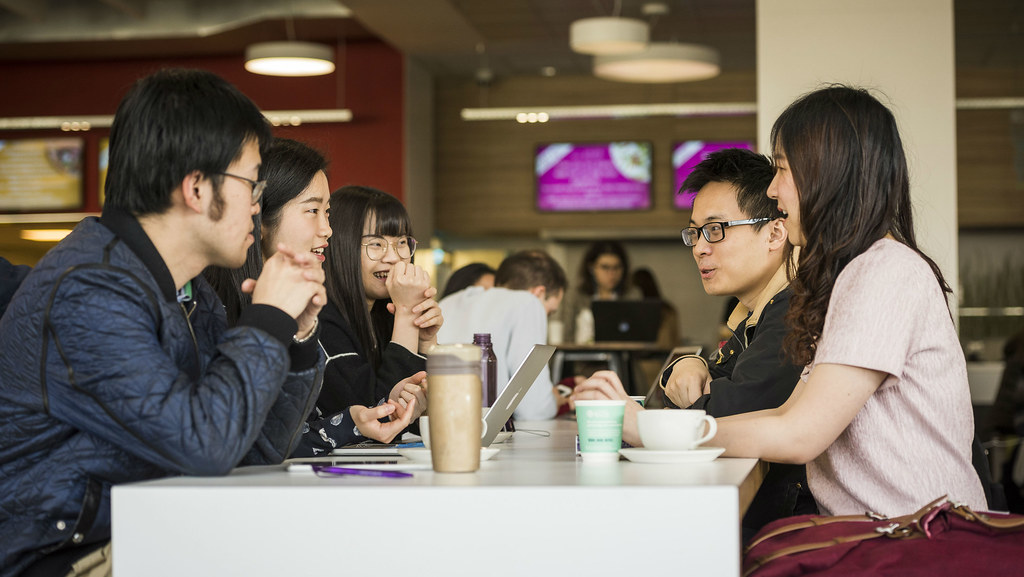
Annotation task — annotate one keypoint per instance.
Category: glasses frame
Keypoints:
(258, 186)
(702, 230)
(412, 247)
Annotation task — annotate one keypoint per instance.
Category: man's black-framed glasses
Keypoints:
(377, 246)
(258, 186)
(715, 231)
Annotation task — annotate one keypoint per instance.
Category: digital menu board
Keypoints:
(593, 176)
(686, 155)
(104, 165)
(41, 174)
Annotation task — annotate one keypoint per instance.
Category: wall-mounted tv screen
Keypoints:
(687, 155)
(104, 165)
(593, 176)
(41, 174)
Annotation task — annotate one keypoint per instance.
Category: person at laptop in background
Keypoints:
(117, 364)
(603, 276)
(294, 212)
(529, 286)
(741, 249)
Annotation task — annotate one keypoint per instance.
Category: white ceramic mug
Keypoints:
(674, 429)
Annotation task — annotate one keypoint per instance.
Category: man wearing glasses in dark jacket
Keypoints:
(741, 249)
(117, 365)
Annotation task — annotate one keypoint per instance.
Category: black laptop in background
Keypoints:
(626, 321)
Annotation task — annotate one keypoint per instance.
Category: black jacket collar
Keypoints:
(127, 228)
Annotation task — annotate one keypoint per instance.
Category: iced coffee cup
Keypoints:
(454, 425)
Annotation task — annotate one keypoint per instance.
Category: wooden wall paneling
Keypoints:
(990, 192)
(485, 182)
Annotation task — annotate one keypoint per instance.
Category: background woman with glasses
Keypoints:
(603, 275)
(380, 317)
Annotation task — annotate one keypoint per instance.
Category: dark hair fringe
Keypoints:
(526, 269)
(172, 123)
(351, 206)
(466, 277)
(749, 172)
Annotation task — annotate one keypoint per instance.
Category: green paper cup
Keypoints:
(600, 430)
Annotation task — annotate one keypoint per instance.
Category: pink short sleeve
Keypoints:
(874, 316)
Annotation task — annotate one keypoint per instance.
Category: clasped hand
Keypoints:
(411, 295)
(405, 404)
(292, 282)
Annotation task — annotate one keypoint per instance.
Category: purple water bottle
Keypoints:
(488, 369)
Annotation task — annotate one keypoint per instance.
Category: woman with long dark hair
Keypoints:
(294, 212)
(380, 318)
(882, 414)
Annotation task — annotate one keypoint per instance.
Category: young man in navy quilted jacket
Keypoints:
(116, 363)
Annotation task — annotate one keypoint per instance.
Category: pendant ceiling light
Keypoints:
(289, 58)
(660, 62)
(608, 35)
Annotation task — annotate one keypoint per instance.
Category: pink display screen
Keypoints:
(687, 155)
(590, 177)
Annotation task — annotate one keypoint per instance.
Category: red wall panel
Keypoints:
(369, 81)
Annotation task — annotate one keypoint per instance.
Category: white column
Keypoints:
(419, 150)
(903, 50)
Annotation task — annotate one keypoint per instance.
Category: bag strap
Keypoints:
(866, 517)
(902, 527)
(794, 549)
(996, 524)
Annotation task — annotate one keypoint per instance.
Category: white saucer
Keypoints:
(502, 437)
(422, 454)
(698, 455)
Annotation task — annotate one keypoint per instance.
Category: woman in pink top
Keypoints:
(882, 415)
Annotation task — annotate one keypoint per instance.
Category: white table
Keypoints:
(534, 509)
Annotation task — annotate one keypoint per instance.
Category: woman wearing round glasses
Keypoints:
(294, 213)
(380, 317)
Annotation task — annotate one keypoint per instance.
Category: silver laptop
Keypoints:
(496, 416)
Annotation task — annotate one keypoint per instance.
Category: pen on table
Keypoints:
(408, 445)
(364, 472)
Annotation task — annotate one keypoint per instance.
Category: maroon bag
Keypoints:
(943, 538)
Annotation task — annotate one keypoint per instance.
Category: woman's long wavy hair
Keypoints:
(351, 207)
(848, 164)
(289, 167)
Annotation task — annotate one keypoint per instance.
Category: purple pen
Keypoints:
(364, 472)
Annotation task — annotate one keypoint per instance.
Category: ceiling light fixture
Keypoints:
(660, 62)
(290, 58)
(608, 35)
